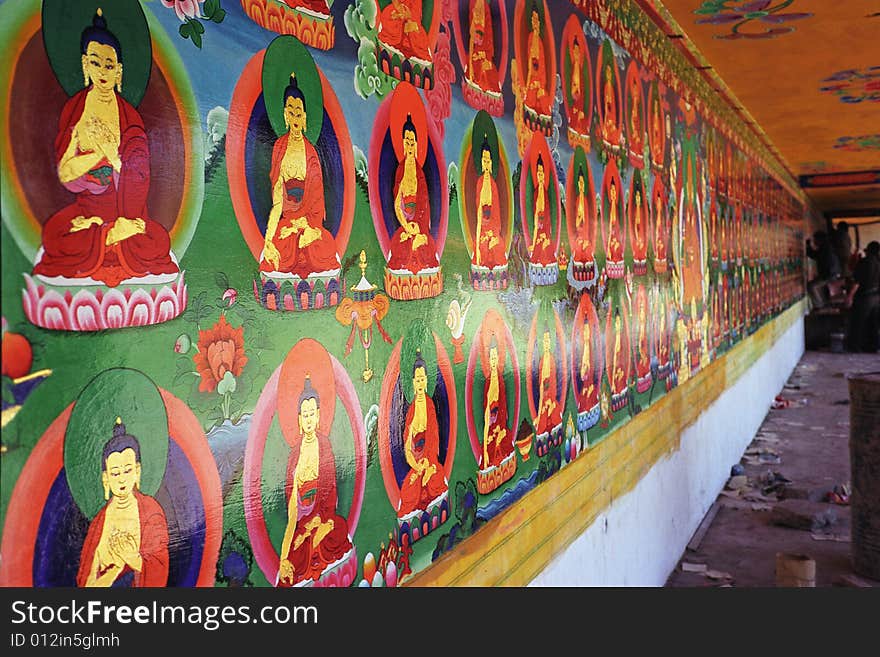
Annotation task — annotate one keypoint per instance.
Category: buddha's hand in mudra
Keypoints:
(271, 255)
(123, 228)
(81, 223)
(295, 226)
(125, 547)
(427, 472)
(285, 572)
(104, 140)
(309, 235)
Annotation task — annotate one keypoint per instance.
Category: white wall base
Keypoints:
(639, 538)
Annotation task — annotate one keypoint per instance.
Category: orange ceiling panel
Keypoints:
(806, 71)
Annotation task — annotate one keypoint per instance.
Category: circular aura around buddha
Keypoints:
(106, 238)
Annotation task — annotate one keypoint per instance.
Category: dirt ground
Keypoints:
(806, 441)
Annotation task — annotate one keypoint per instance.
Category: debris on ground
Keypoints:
(805, 515)
(718, 575)
(839, 538)
(736, 470)
(737, 482)
(693, 567)
(773, 482)
(839, 495)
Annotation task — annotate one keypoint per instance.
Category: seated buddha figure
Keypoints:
(577, 119)
(640, 238)
(583, 245)
(412, 246)
(537, 97)
(659, 228)
(549, 408)
(316, 536)
(588, 372)
(643, 349)
(636, 137)
(127, 541)
(400, 27)
(660, 336)
(617, 372)
(103, 158)
(656, 132)
(497, 436)
(480, 68)
(615, 234)
(691, 256)
(490, 249)
(543, 246)
(296, 241)
(425, 480)
(609, 107)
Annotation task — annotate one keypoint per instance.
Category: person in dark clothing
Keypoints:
(841, 244)
(863, 332)
(827, 265)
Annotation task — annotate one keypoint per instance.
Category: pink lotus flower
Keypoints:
(184, 8)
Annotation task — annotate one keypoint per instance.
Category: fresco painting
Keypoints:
(533, 229)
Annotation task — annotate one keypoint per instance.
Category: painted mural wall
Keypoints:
(304, 292)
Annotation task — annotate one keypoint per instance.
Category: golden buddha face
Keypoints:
(420, 381)
(295, 115)
(486, 162)
(101, 66)
(493, 357)
(580, 184)
(309, 416)
(612, 194)
(410, 144)
(539, 174)
(546, 342)
(122, 473)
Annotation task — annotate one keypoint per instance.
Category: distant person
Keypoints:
(827, 266)
(841, 243)
(863, 332)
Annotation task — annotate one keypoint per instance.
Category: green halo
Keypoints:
(286, 55)
(418, 337)
(131, 396)
(484, 125)
(63, 24)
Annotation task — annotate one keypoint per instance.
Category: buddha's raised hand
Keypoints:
(81, 223)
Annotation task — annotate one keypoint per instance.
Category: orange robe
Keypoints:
(537, 96)
(101, 192)
(544, 248)
(548, 420)
(301, 198)
(588, 397)
(482, 54)
(414, 494)
(583, 247)
(490, 256)
(401, 28)
(577, 119)
(640, 244)
(615, 236)
(153, 549)
(415, 208)
(498, 419)
(316, 499)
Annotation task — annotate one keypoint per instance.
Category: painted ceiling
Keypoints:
(805, 75)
